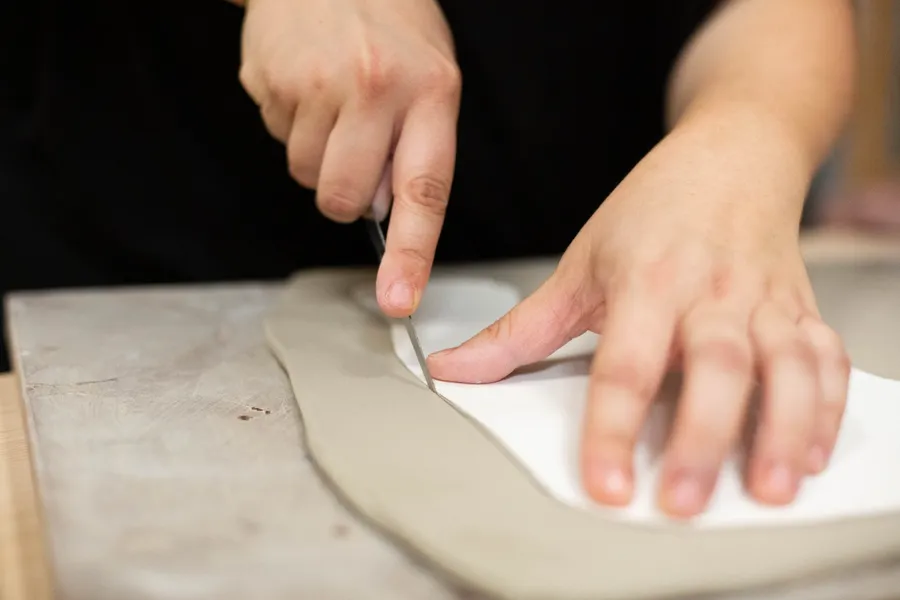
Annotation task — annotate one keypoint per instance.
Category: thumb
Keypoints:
(534, 329)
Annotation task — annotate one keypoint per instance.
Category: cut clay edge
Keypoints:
(681, 557)
(370, 517)
(413, 554)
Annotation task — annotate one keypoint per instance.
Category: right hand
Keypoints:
(365, 96)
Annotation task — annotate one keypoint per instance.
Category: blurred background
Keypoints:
(860, 186)
(858, 189)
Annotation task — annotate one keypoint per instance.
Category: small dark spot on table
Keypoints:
(256, 408)
(244, 417)
(340, 531)
(249, 527)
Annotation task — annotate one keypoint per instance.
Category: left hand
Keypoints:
(694, 258)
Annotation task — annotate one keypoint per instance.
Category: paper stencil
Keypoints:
(536, 415)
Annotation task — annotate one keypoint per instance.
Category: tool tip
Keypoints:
(429, 381)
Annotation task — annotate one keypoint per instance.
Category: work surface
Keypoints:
(23, 569)
(171, 462)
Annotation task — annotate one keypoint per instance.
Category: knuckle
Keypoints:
(699, 429)
(829, 417)
(303, 174)
(838, 359)
(630, 373)
(657, 277)
(249, 80)
(284, 84)
(428, 193)
(417, 259)
(794, 350)
(576, 299)
(275, 122)
(731, 354)
(721, 283)
(301, 169)
(832, 350)
(280, 86)
(497, 330)
(842, 362)
(797, 426)
(316, 79)
(444, 78)
(371, 85)
(340, 203)
(373, 76)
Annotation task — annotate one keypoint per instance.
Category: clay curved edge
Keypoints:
(418, 469)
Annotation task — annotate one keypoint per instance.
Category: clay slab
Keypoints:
(426, 475)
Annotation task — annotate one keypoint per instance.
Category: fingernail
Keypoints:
(612, 483)
(818, 458)
(781, 481)
(401, 295)
(686, 494)
(440, 354)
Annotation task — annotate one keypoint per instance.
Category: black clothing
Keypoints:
(129, 152)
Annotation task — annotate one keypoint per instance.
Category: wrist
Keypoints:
(747, 140)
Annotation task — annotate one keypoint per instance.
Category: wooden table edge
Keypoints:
(24, 561)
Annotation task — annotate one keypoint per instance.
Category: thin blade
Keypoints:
(379, 242)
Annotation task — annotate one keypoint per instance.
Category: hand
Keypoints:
(346, 86)
(690, 260)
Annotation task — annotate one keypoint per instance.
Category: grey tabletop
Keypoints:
(169, 451)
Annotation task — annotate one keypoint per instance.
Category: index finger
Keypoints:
(423, 172)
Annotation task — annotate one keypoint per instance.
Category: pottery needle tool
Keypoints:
(377, 235)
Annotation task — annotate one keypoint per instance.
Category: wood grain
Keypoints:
(869, 158)
(23, 565)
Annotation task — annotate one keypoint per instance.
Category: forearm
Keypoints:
(780, 71)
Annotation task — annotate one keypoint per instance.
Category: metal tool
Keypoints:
(378, 240)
